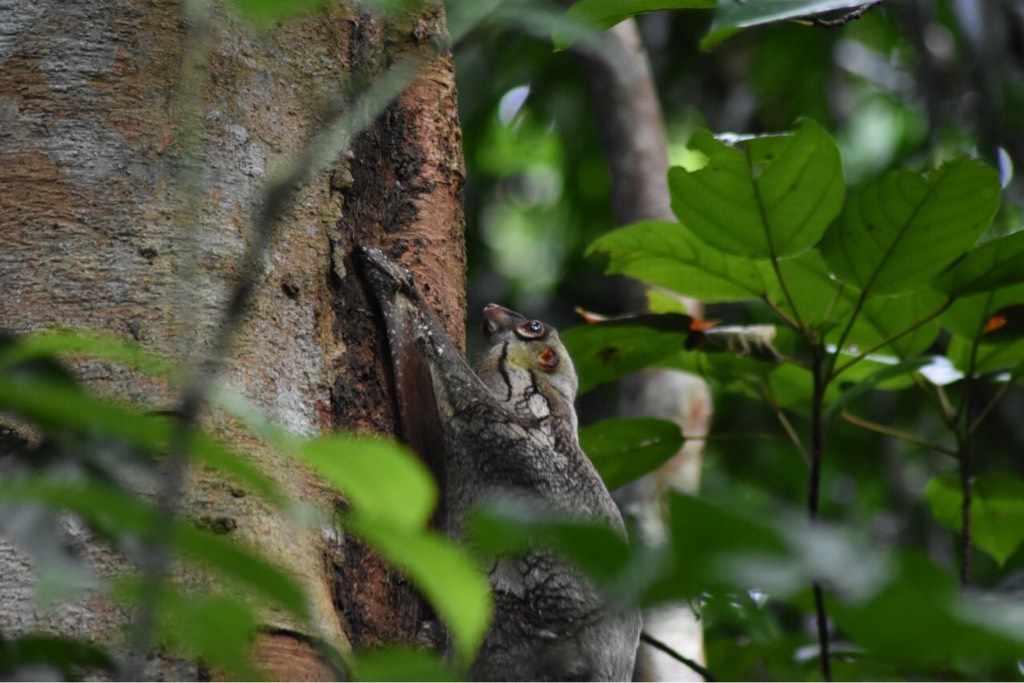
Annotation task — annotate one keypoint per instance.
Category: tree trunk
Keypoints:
(100, 233)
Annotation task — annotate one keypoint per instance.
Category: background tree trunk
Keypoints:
(99, 234)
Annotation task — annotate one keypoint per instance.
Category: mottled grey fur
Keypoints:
(509, 431)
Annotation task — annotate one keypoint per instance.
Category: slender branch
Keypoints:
(836, 371)
(966, 455)
(937, 401)
(780, 415)
(820, 380)
(897, 433)
(682, 659)
(1000, 392)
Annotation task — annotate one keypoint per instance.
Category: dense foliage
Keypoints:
(870, 485)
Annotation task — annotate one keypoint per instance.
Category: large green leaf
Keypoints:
(623, 449)
(381, 479)
(997, 510)
(608, 350)
(810, 295)
(773, 198)
(908, 323)
(116, 515)
(899, 232)
(402, 664)
(33, 653)
(920, 608)
(507, 528)
(668, 255)
(445, 573)
(997, 263)
(78, 343)
(603, 14)
(969, 315)
(61, 406)
(733, 15)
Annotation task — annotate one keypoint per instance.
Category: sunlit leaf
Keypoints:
(997, 510)
(669, 255)
(380, 479)
(624, 449)
(896, 234)
(997, 263)
(774, 197)
(89, 344)
(445, 573)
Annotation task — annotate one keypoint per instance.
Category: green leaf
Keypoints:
(899, 232)
(882, 318)
(811, 295)
(448, 577)
(402, 664)
(624, 449)
(381, 479)
(921, 607)
(733, 15)
(243, 566)
(668, 255)
(72, 658)
(603, 14)
(872, 382)
(216, 629)
(968, 316)
(774, 198)
(988, 358)
(59, 406)
(997, 263)
(266, 13)
(997, 511)
(77, 343)
(506, 528)
(607, 350)
(116, 514)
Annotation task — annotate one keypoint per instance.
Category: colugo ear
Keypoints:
(548, 359)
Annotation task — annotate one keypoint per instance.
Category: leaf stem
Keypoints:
(836, 371)
(820, 379)
(897, 433)
(682, 659)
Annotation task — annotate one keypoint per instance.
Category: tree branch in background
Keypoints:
(658, 645)
(632, 134)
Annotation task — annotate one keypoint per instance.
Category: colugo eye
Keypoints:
(531, 329)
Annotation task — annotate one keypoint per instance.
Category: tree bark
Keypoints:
(99, 235)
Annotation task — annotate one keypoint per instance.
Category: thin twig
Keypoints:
(897, 433)
(682, 659)
(820, 379)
